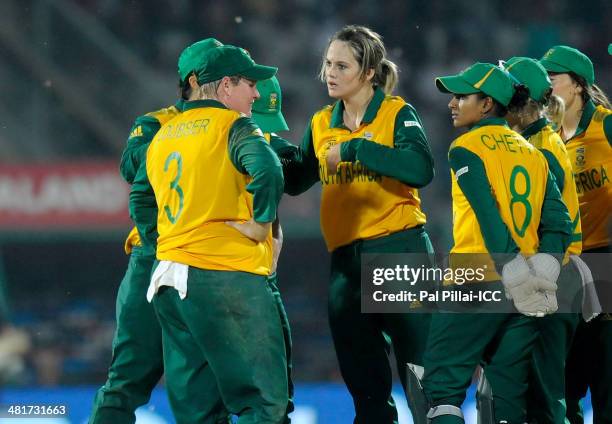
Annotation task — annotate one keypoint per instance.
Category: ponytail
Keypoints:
(518, 100)
(554, 110)
(386, 76)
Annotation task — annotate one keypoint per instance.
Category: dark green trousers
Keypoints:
(458, 343)
(280, 307)
(589, 363)
(227, 326)
(363, 341)
(136, 364)
(546, 394)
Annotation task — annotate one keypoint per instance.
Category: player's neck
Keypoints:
(355, 107)
(571, 119)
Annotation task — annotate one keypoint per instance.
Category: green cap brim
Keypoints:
(554, 67)
(270, 122)
(609, 48)
(259, 72)
(454, 84)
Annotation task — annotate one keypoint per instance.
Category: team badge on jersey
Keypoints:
(368, 135)
(580, 159)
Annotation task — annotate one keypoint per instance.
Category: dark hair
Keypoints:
(370, 53)
(591, 92)
(518, 101)
(185, 88)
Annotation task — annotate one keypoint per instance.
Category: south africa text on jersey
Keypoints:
(591, 179)
(348, 173)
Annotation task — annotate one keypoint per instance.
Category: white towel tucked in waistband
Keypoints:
(590, 301)
(171, 274)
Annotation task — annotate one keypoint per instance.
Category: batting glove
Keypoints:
(545, 266)
(514, 273)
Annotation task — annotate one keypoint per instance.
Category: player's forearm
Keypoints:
(410, 166)
(555, 224)
(267, 184)
(143, 209)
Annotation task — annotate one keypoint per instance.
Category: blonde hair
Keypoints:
(370, 53)
(598, 96)
(555, 110)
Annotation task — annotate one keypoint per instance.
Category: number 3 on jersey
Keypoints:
(174, 185)
(521, 198)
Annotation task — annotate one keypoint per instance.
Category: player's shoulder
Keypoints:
(160, 116)
(601, 113)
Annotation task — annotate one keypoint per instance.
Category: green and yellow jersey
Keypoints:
(504, 198)
(142, 132)
(207, 166)
(591, 158)
(384, 161)
(541, 135)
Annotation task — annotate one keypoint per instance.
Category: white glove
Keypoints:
(535, 297)
(545, 266)
(514, 273)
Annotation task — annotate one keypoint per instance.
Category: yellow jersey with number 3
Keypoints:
(357, 203)
(547, 139)
(591, 158)
(517, 174)
(198, 189)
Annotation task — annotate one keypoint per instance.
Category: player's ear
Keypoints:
(487, 105)
(193, 82)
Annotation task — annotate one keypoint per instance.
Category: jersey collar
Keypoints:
(585, 119)
(337, 120)
(203, 103)
(180, 104)
(489, 121)
(534, 128)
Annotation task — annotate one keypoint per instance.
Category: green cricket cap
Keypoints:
(267, 110)
(610, 48)
(531, 74)
(192, 58)
(480, 77)
(227, 61)
(564, 59)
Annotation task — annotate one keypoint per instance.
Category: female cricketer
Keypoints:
(547, 376)
(587, 132)
(370, 152)
(504, 202)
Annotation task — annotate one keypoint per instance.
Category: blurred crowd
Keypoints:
(75, 73)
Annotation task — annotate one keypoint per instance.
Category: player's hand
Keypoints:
(545, 266)
(539, 302)
(514, 273)
(332, 158)
(254, 230)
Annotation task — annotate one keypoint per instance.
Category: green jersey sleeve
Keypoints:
(409, 161)
(251, 154)
(141, 134)
(607, 124)
(143, 209)
(555, 228)
(555, 169)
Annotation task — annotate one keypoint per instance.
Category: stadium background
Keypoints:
(75, 73)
